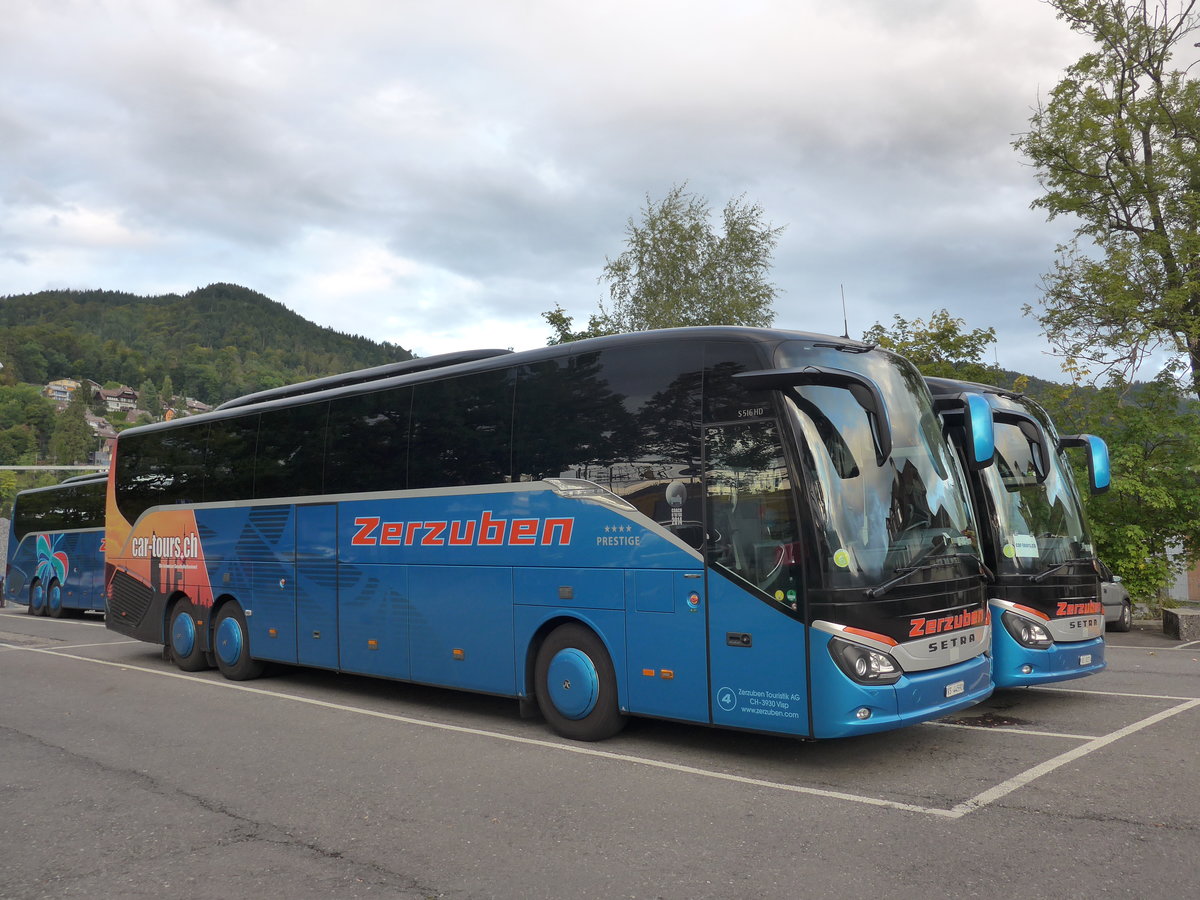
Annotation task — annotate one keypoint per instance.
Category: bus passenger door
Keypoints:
(755, 581)
(316, 585)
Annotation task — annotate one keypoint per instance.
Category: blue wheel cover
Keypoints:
(54, 598)
(573, 683)
(183, 635)
(37, 598)
(229, 641)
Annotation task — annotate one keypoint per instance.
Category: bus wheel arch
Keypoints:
(186, 637)
(231, 643)
(575, 682)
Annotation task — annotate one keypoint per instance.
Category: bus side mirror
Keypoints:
(1099, 467)
(977, 423)
(981, 431)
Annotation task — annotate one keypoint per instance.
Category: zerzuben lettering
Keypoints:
(486, 531)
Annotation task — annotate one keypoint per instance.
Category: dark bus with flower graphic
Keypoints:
(55, 561)
(748, 528)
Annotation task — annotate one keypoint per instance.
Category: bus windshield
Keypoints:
(876, 519)
(1040, 520)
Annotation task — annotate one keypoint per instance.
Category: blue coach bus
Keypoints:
(1048, 619)
(748, 528)
(55, 560)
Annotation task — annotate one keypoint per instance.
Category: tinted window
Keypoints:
(160, 468)
(368, 442)
(725, 398)
(627, 419)
(64, 508)
(462, 431)
(291, 451)
(230, 461)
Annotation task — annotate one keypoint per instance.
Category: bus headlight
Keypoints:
(1026, 632)
(862, 664)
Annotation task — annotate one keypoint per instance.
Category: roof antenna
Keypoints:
(845, 321)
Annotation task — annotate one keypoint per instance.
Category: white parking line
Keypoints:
(24, 615)
(1058, 690)
(1005, 729)
(979, 801)
(1020, 780)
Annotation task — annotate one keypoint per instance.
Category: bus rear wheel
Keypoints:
(54, 601)
(185, 638)
(576, 685)
(231, 645)
(37, 599)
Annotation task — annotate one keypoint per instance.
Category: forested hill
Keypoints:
(214, 343)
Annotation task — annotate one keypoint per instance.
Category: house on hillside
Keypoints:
(60, 391)
(122, 398)
(106, 438)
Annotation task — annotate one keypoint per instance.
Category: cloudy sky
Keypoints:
(437, 174)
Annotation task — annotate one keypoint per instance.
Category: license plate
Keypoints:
(1086, 659)
(953, 690)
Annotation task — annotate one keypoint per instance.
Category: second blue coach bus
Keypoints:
(1048, 622)
(55, 560)
(749, 528)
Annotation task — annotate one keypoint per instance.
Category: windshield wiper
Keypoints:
(1042, 576)
(940, 547)
(907, 572)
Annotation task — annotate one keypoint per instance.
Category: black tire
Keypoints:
(1125, 622)
(54, 603)
(37, 599)
(184, 638)
(585, 685)
(231, 645)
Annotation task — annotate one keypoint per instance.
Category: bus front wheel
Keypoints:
(231, 645)
(576, 685)
(185, 638)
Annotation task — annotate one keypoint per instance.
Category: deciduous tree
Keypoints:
(941, 348)
(677, 270)
(1116, 146)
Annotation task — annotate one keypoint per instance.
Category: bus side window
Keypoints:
(229, 476)
(291, 451)
(368, 442)
(461, 431)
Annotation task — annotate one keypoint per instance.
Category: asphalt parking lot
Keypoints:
(312, 784)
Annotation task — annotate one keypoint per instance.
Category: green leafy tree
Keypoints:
(18, 446)
(677, 270)
(1153, 434)
(73, 440)
(149, 401)
(22, 406)
(940, 347)
(1117, 146)
(8, 492)
(168, 393)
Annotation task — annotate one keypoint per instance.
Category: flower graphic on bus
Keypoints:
(51, 563)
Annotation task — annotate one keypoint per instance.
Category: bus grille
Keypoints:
(129, 599)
